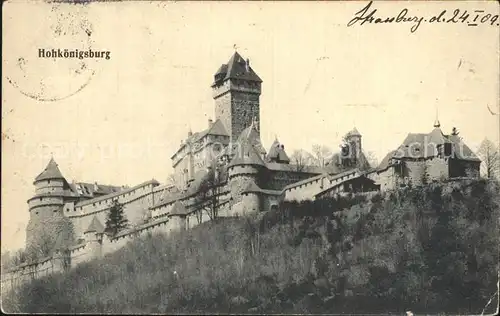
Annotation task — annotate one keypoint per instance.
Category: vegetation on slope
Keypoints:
(432, 249)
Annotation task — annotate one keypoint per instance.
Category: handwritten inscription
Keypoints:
(370, 15)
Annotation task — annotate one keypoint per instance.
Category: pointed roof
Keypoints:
(95, 226)
(236, 68)
(217, 128)
(50, 172)
(251, 135)
(277, 152)
(247, 155)
(353, 132)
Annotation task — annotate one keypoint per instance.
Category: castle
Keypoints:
(228, 160)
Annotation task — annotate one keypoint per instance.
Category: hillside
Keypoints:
(432, 250)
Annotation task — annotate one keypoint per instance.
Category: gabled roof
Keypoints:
(95, 226)
(277, 152)
(236, 68)
(421, 145)
(50, 172)
(217, 129)
(94, 189)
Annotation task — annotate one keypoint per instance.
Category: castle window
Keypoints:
(55, 211)
(40, 199)
(36, 212)
(48, 181)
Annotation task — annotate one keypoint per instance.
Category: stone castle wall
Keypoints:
(387, 179)
(136, 202)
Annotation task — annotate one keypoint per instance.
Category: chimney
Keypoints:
(210, 123)
(248, 65)
(190, 133)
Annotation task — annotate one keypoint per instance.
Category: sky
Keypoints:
(118, 121)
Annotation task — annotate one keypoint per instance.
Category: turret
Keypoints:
(93, 237)
(46, 206)
(352, 149)
(244, 169)
(177, 217)
(277, 153)
(50, 188)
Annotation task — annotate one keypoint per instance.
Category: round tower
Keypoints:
(244, 170)
(93, 237)
(46, 207)
(353, 140)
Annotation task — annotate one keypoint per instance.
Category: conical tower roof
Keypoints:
(277, 152)
(95, 226)
(247, 155)
(354, 132)
(50, 172)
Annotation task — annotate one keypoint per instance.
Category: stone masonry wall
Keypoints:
(237, 184)
(414, 171)
(223, 110)
(437, 169)
(245, 107)
(43, 228)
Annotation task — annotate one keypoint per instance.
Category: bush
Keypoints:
(430, 249)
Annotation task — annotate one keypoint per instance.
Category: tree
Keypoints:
(14, 259)
(300, 159)
(425, 176)
(321, 154)
(489, 155)
(171, 180)
(208, 195)
(371, 159)
(116, 220)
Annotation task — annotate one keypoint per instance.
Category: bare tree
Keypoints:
(489, 155)
(208, 196)
(371, 159)
(171, 179)
(19, 257)
(321, 154)
(300, 159)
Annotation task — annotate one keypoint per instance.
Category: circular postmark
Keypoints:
(48, 59)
